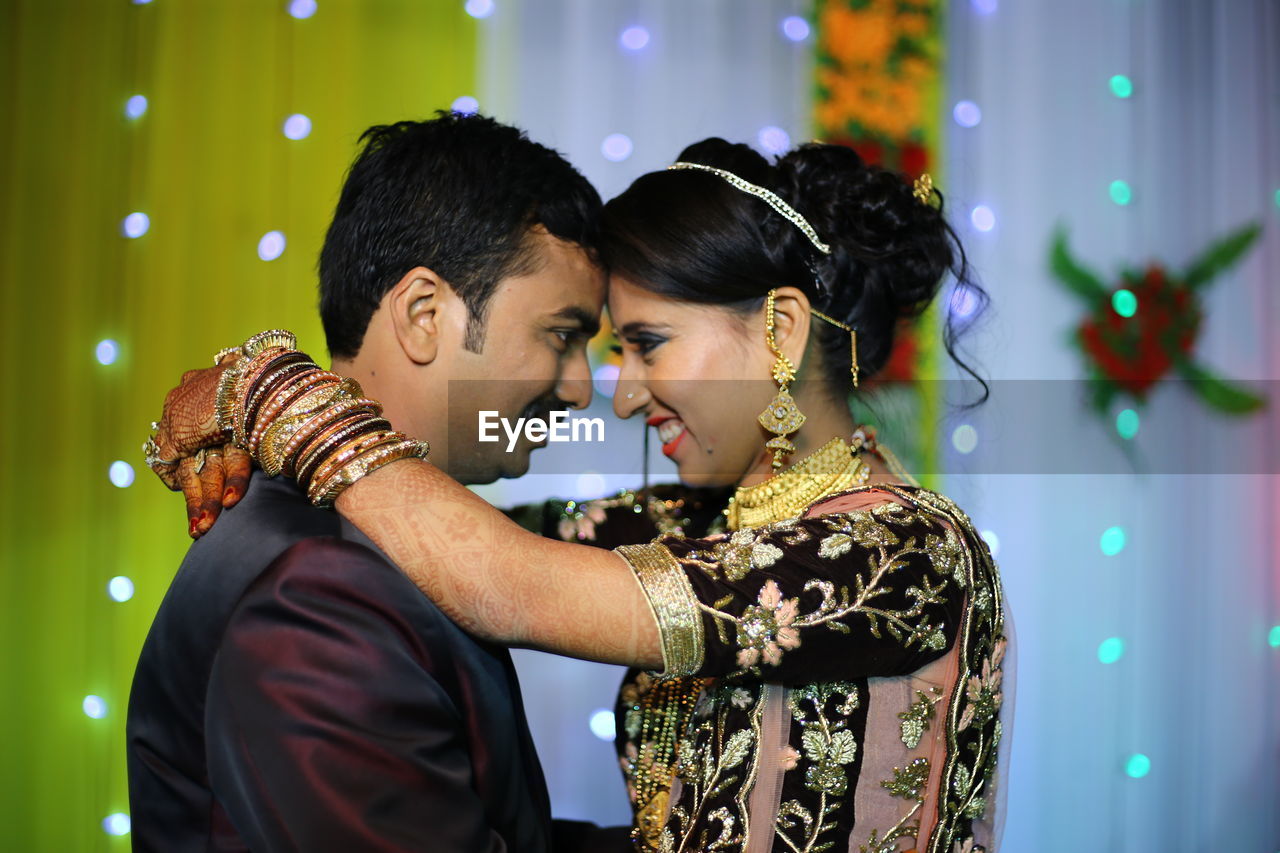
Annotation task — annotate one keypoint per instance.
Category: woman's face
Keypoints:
(698, 375)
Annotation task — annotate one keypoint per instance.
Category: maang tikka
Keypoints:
(783, 416)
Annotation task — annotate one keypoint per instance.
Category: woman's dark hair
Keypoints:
(691, 235)
(458, 194)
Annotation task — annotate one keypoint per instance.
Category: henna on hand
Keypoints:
(190, 419)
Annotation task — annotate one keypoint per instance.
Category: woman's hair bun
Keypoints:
(890, 251)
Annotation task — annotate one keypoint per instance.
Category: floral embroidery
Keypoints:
(916, 719)
(909, 782)
(983, 691)
(828, 747)
(895, 569)
(767, 628)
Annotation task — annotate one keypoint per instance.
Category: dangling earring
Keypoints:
(782, 417)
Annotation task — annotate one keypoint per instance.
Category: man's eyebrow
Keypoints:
(588, 320)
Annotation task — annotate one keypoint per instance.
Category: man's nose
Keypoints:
(574, 387)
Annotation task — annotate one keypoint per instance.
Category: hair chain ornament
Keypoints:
(853, 341)
(767, 196)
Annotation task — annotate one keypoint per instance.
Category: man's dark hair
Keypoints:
(457, 194)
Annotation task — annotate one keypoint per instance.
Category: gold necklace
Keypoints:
(834, 467)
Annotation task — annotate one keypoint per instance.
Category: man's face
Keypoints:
(533, 359)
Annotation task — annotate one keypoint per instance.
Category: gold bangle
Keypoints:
(264, 386)
(323, 443)
(298, 398)
(265, 340)
(345, 452)
(316, 453)
(304, 421)
(247, 383)
(366, 464)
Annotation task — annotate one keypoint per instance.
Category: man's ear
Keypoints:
(416, 305)
(791, 321)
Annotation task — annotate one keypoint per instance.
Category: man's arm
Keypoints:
(324, 730)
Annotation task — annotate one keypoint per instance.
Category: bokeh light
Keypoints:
(986, 7)
(963, 301)
(1110, 650)
(1124, 302)
(1112, 541)
(121, 474)
(297, 126)
(107, 351)
(634, 38)
(116, 824)
(1120, 192)
(795, 28)
(605, 379)
(590, 485)
(480, 8)
(135, 225)
(1121, 86)
(1127, 422)
(1137, 766)
(964, 438)
(95, 707)
(983, 218)
(602, 724)
(1273, 637)
(136, 106)
(616, 147)
(301, 9)
(271, 246)
(465, 105)
(992, 540)
(967, 114)
(120, 588)
(774, 140)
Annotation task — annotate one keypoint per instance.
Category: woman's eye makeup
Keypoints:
(645, 342)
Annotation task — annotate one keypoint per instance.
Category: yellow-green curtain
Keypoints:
(209, 165)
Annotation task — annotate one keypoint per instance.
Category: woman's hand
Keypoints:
(192, 454)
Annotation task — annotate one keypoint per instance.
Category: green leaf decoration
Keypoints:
(1219, 393)
(1221, 255)
(1077, 279)
(737, 748)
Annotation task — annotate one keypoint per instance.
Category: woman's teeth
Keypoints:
(669, 431)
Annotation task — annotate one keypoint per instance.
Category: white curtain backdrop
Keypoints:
(1195, 590)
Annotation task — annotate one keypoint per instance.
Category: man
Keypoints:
(296, 691)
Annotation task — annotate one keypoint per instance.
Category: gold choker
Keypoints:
(835, 467)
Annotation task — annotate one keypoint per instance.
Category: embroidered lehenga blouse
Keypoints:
(833, 679)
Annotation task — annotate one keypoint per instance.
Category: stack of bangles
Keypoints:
(304, 422)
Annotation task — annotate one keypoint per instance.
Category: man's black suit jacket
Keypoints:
(297, 692)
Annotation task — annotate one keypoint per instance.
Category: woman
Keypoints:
(830, 668)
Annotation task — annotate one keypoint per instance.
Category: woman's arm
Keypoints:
(499, 581)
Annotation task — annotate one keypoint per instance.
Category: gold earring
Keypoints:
(782, 417)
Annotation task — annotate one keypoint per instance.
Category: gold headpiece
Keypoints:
(923, 188)
(767, 196)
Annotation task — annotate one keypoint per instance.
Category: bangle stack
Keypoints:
(304, 422)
